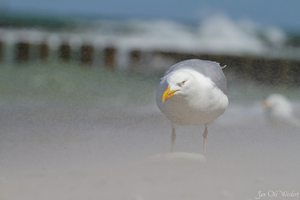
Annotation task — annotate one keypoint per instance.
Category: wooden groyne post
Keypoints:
(43, 51)
(87, 54)
(1, 51)
(22, 51)
(110, 57)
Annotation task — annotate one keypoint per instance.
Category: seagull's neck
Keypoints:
(205, 94)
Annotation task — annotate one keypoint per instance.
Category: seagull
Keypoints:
(279, 110)
(192, 92)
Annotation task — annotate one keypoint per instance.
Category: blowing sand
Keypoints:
(71, 133)
(55, 151)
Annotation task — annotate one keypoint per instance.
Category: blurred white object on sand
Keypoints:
(279, 110)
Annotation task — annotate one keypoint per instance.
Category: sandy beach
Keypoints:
(71, 133)
(59, 151)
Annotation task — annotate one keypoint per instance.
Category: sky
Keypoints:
(282, 13)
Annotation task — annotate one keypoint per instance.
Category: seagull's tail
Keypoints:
(223, 67)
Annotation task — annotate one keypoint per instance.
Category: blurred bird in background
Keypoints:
(279, 111)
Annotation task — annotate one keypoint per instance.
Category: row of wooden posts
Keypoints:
(267, 70)
(261, 69)
(22, 53)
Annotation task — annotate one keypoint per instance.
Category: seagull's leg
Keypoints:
(173, 138)
(205, 133)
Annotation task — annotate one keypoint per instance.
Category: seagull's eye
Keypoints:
(180, 84)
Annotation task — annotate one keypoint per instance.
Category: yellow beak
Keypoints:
(168, 93)
(266, 104)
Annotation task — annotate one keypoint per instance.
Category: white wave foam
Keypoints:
(275, 36)
(216, 34)
(221, 34)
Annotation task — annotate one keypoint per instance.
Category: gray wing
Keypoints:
(210, 69)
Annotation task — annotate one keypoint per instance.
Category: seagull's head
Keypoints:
(277, 103)
(178, 83)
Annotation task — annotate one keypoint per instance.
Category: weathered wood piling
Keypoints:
(272, 70)
(22, 52)
(65, 52)
(86, 54)
(110, 57)
(43, 51)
